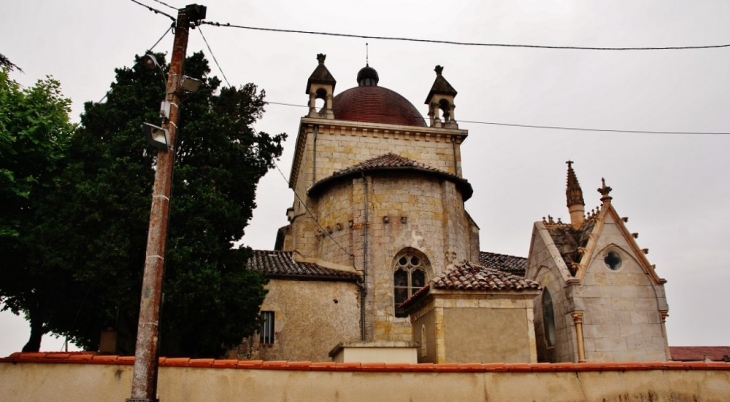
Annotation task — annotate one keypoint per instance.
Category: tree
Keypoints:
(97, 232)
(34, 138)
(6, 63)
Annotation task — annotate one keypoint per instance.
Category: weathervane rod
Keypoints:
(367, 61)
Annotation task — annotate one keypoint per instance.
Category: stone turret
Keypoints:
(574, 196)
(321, 85)
(441, 97)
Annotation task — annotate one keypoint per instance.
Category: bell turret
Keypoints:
(321, 85)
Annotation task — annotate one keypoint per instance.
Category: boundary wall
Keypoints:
(90, 377)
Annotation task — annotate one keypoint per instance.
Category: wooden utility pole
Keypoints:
(144, 377)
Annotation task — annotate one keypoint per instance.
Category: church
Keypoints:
(381, 262)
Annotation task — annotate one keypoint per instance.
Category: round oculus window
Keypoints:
(612, 260)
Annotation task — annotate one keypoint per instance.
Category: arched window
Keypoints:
(548, 318)
(409, 275)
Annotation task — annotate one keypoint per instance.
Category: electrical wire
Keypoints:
(154, 10)
(213, 56)
(602, 130)
(448, 42)
(324, 231)
(161, 37)
(166, 5)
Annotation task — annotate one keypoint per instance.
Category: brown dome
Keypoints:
(373, 104)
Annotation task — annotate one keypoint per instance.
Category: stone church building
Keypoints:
(381, 262)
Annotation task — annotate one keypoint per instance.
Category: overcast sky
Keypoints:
(674, 187)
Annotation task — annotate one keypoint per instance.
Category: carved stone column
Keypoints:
(578, 320)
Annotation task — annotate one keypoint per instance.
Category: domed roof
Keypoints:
(370, 103)
(374, 104)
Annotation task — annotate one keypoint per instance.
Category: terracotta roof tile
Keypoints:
(280, 264)
(698, 353)
(391, 161)
(507, 263)
(469, 276)
(373, 104)
(64, 358)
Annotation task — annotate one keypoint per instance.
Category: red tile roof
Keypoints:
(469, 276)
(507, 263)
(280, 264)
(390, 162)
(93, 358)
(374, 104)
(698, 353)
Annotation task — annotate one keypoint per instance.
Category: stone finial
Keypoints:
(605, 190)
(439, 70)
(321, 57)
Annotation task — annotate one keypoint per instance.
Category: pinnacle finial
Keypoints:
(367, 55)
(438, 70)
(321, 57)
(573, 192)
(605, 190)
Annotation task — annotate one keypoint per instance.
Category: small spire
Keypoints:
(573, 192)
(605, 190)
(574, 198)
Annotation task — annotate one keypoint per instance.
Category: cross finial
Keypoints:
(569, 163)
(605, 190)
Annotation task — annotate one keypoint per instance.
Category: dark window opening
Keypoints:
(266, 332)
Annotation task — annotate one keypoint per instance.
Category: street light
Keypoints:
(156, 136)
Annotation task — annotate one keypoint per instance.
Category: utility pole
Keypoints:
(144, 377)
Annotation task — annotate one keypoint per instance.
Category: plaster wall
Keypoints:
(377, 354)
(310, 318)
(488, 335)
(31, 382)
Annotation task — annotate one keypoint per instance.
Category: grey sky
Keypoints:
(674, 188)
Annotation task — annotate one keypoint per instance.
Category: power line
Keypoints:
(447, 42)
(166, 5)
(324, 231)
(213, 56)
(154, 10)
(161, 37)
(603, 130)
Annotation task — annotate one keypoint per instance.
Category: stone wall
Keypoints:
(622, 319)
(544, 267)
(207, 380)
(621, 309)
(311, 318)
(341, 144)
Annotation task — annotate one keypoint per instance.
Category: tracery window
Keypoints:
(409, 275)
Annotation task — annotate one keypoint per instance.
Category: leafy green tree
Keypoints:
(98, 230)
(34, 138)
